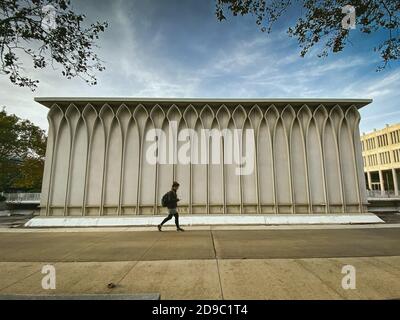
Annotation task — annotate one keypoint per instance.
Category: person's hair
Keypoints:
(175, 184)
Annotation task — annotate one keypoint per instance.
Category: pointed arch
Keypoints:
(255, 117)
(239, 116)
(89, 116)
(266, 169)
(223, 115)
(199, 172)
(77, 156)
(299, 168)
(304, 115)
(174, 117)
(249, 170)
(332, 169)
(207, 116)
(353, 119)
(232, 179)
(320, 116)
(157, 115)
(282, 174)
(271, 115)
(190, 115)
(288, 116)
(54, 117)
(61, 165)
(129, 193)
(215, 169)
(147, 171)
(315, 168)
(124, 118)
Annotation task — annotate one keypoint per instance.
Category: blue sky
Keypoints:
(172, 48)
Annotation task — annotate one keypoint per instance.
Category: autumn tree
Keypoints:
(321, 22)
(42, 33)
(22, 153)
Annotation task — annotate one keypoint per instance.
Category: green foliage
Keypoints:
(22, 153)
(68, 43)
(321, 22)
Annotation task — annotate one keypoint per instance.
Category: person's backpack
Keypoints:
(165, 200)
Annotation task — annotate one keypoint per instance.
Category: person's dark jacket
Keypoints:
(172, 200)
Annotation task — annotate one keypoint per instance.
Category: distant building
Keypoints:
(381, 156)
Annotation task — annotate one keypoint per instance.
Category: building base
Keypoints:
(188, 220)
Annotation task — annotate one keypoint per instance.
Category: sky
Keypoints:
(178, 49)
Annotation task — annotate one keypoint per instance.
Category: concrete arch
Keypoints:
(77, 155)
(207, 116)
(190, 115)
(129, 161)
(89, 116)
(239, 116)
(54, 117)
(215, 169)
(233, 190)
(299, 168)
(249, 183)
(255, 117)
(282, 173)
(347, 167)
(60, 168)
(315, 168)
(182, 168)
(265, 159)
(223, 115)
(147, 171)
(353, 118)
(199, 171)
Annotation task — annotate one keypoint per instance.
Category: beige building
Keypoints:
(307, 157)
(381, 156)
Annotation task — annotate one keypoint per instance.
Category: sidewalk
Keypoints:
(206, 264)
(377, 278)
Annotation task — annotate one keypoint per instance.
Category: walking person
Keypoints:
(170, 200)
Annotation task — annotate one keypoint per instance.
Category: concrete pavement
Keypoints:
(316, 278)
(197, 245)
(211, 264)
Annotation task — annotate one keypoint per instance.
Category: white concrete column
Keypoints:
(395, 183)
(369, 180)
(382, 183)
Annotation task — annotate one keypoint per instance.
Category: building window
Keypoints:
(382, 140)
(395, 135)
(372, 160)
(384, 157)
(370, 143)
(396, 155)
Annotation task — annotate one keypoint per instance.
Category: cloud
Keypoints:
(152, 50)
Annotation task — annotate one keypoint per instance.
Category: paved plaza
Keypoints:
(246, 263)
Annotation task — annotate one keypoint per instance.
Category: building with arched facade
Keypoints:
(305, 157)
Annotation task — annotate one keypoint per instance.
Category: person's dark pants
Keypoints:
(172, 213)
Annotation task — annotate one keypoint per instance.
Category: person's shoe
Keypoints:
(180, 229)
(159, 227)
